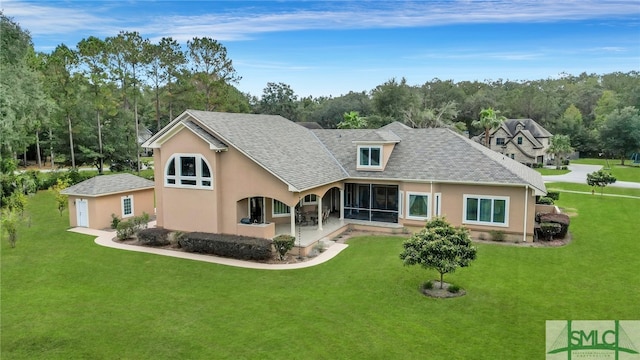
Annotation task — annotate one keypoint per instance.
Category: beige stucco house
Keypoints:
(257, 175)
(92, 201)
(523, 140)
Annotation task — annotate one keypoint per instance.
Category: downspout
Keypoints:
(431, 197)
(526, 210)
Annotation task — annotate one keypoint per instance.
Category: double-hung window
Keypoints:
(369, 157)
(486, 210)
(519, 140)
(417, 206)
(188, 171)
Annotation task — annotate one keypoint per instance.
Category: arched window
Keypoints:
(188, 171)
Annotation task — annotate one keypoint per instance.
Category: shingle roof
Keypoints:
(432, 154)
(108, 184)
(284, 148)
(528, 124)
(305, 159)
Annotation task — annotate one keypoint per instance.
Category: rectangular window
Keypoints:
(513, 156)
(370, 157)
(486, 210)
(519, 140)
(310, 199)
(279, 209)
(188, 166)
(127, 206)
(417, 206)
(438, 204)
(499, 141)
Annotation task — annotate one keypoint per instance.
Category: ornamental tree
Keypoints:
(439, 246)
(600, 179)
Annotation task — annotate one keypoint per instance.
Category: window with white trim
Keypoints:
(486, 210)
(127, 205)
(188, 171)
(279, 209)
(417, 206)
(401, 204)
(370, 157)
(311, 199)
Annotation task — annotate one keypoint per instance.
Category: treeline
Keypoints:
(92, 104)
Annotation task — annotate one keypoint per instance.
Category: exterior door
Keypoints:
(82, 212)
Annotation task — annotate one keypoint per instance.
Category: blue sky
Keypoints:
(323, 48)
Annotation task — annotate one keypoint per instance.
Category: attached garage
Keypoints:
(93, 201)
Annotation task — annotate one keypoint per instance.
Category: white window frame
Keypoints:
(198, 178)
(401, 204)
(506, 199)
(437, 207)
(273, 209)
(122, 206)
(408, 205)
(369, 166)
(310, 202)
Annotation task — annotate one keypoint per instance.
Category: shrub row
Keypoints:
(127, 229)
(233, 246)
(154, 237)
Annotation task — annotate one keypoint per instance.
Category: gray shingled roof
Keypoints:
(528, 124)
(108, 184)
(432, 154)
(284, 148)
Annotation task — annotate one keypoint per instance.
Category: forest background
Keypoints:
(93, 103)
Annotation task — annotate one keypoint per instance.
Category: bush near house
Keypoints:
(129, 228)
(561, 219)
(233, 246)
(283, 243)
(154, 237)
(555, 195)
(545, 200)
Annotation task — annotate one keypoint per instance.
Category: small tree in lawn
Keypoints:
(600, 179)
(439, 246)
(10, 222)
(61, 199)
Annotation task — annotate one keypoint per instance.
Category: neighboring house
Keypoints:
(523, 140)
(92, 201)
(244, 173)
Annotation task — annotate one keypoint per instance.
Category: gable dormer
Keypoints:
(373, 151)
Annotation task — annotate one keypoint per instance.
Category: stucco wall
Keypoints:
(452, 205)
(100, 208)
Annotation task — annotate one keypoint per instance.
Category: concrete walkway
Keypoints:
(578, 174)
(105, 238)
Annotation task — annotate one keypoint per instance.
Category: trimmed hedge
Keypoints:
(154, 237)
(545, 200)
(283, 243)
(561, 219)
(555, 195)
(232, 246)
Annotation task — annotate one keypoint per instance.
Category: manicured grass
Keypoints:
(628, 172)
(63, 297)
(586, 188)
(545, 171)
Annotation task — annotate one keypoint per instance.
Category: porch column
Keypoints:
(341, 204)
(319, 212)
(293, 221)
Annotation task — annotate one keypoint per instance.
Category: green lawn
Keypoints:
(628, 172)
(63, 297)
(545, 171)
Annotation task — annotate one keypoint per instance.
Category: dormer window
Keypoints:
(188, 171)
(370, 157)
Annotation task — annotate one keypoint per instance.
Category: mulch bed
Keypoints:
(443, 293)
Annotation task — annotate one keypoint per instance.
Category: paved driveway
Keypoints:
(579, 173)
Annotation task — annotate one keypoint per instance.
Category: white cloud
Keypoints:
(40, 18)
